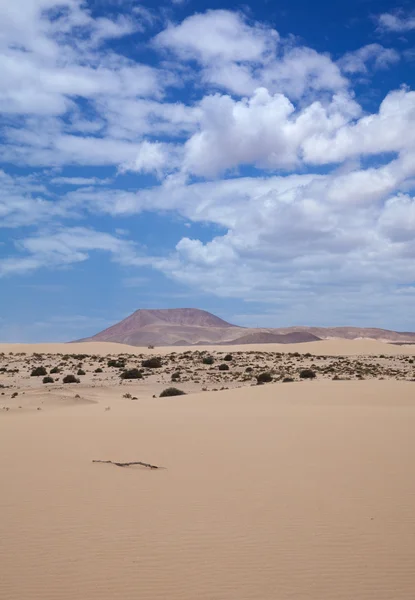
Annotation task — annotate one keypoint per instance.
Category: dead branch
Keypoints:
(127, 464)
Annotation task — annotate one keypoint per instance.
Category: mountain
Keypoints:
(191, 326)
(172, 326)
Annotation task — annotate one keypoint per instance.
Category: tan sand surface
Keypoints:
(279, 492)
(335, 347)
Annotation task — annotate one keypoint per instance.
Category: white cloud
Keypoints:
(65, 247)
(372, 55)
(79, 181)
(325, 220)
(398, 22)
(219, 35)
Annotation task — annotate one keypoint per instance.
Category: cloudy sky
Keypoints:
(256, 160)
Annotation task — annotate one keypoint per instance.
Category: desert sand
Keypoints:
(280, 491)
(335, 347)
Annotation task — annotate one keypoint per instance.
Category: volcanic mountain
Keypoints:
(191, 326)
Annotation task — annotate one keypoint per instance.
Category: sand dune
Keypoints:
(298, 491)
(325, 347)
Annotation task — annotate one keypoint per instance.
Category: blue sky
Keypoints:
(256, 160)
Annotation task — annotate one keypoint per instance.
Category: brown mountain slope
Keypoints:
(191, 326)
(169, 327)
(264, 337)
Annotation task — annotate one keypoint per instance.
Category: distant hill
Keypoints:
(192, 326)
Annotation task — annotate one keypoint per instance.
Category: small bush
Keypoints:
(152, 363)
(228, 357)
(81, 372)
(264, 377)
(70, 379)
(128, 396)
(249, 370)
(307, 374)
(223, 367)
(287, 380)
(175, 376)
(208, 360)
(99, 370)
(38, 372)
(172, 391)
(54, 370)
(131, 374)
(47, 379)
(118, 364)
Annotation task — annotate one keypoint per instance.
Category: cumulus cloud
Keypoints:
(326, 217)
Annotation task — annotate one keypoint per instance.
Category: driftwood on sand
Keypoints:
(127, 464)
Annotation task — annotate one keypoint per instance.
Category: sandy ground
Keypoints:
(282, 491)
(325, 347)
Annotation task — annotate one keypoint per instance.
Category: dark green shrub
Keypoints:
(228, 357)
(131, 374)
(175, 376)
(264, 377)
(70, 379)
(152, 363)
(81, 372)
(48, 379)
(208, 360)
(307, 374)
(54, 370)
(99, 370)
(171, 391)
(287, 380)
(118, 364)
(249, 370)
(38, 372)
(223, 367)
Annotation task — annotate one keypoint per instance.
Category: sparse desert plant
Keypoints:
(131, 374)
(307, 374)
(38, 372)
(152, 363)
(47, 379)
(172, 391)
(287, 380)
(70, 379)
(208, 360)
(54, 370)
(175, 376)
(228, 357)
(118, 364)
(98, 370)
(81, 372)
(264, 377)
(150, 347)
(128, 396)
(223, 367)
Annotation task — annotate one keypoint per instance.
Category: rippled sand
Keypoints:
(278, 492)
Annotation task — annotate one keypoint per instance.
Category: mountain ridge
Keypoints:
(193, 326)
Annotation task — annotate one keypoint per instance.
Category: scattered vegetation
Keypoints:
(70, 379)
(223, 367)
(38, 372)
(172, 391)
(152, 363)
(264, 377)
(48, 379)
(307, 374)
(132, 374)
